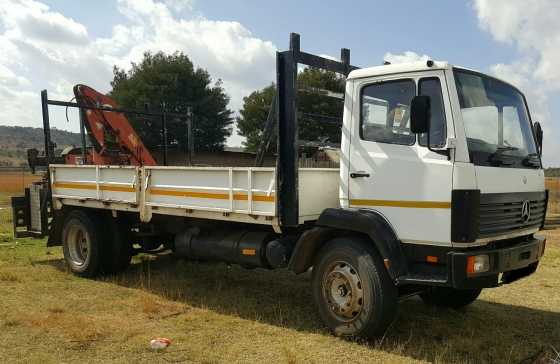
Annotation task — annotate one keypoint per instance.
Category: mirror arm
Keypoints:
(428, 135)
(444, 152)
(540, 142)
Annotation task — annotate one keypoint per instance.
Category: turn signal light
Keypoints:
(431, 259)
(478, 264)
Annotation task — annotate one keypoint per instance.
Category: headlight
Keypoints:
(478, 264)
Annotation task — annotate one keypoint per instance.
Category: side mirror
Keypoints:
(420, 114)
(537, 129)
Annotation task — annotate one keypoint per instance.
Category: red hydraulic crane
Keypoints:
(114, 139)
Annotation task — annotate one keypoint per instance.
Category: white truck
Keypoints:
(440, 192)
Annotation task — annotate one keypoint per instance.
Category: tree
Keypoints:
(252, 118)
(172, 78)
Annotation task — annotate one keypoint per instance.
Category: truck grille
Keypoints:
(506, 213)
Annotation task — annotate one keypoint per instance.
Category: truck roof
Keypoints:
(419, 66)
(397, 68)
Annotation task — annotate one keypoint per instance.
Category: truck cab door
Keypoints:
(390, 169)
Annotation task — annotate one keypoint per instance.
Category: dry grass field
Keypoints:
(219, 314)
(553, 186)
(15, 182)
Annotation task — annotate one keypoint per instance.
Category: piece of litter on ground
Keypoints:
(159, 343)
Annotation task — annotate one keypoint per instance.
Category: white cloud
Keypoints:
(226, 49)
(34, 21)
(533, 27)
(405, 57)
(9, 79)
(180, 5)
(42, 48)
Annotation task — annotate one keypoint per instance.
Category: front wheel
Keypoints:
(352, 289)
(450, 297)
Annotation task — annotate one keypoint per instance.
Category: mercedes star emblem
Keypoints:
(525, 211)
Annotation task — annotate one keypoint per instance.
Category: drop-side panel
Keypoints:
(227, 190)
(241, 194)
(103, 183)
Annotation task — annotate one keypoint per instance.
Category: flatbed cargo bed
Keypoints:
(240, 194)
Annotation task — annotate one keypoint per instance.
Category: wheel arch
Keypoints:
(59, 218)
(343, 222)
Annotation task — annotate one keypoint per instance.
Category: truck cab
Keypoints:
(481, 148)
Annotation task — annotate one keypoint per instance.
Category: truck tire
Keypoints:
(352, 289)
(450, 297)
(118, 251)
(82, 242)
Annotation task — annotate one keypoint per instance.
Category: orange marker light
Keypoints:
(431, 259)
(470, 265)
(250, 252)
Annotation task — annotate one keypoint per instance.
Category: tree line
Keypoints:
(171, 82)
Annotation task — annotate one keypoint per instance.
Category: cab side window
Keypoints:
(385, 112)
(431, 87)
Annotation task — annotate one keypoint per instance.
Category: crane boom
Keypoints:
(114, 139)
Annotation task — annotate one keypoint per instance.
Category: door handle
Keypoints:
(359, 174)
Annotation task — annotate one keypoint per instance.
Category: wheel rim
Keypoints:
(343, 291)
(78, 245)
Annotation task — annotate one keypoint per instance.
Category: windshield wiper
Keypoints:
(495, 158)
(504, 148)
(532, 160)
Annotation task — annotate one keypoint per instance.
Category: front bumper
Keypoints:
(514, 262)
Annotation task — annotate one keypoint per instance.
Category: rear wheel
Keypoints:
(82, 244)
(450, 297)
(352, 289)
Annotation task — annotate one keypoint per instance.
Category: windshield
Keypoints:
(496, 122)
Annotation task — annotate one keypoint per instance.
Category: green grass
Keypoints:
(213, 313)
(5, 199)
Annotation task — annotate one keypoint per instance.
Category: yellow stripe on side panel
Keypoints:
(91, 186)
(74, 186)
(178, 193)
(209, 195)
(405, 204)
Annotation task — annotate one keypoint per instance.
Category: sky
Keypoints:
(54, 44)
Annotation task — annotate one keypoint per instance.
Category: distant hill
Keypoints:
(15, 140)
